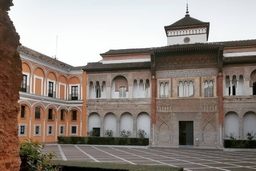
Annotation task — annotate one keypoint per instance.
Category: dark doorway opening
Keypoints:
(186, 133)
(96, 132)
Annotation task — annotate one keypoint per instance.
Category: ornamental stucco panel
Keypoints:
(186, 73)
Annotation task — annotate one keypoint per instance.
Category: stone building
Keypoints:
(191, 92)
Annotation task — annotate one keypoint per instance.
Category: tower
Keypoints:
(187, 30)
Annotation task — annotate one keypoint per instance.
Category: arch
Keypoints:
(119, 87)
(143, 122)
(52, 75)
(74, 80)
(110, 123)
(232, 124)
(38, 71)
(51, 106)
(141, 88)
(126, 122)
(135, 89)
(63, 79)
(74, 108)
(42, 111)
(26, 67)
(103, 89)
(27, 109)
(93, 121)
(249, 123)
(240, 85)
(163, 136)
(253, 82)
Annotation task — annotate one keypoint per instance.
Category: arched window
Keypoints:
(97, 90)
(103, 90)
(186, 89)
(91, 90)
(147, 88)
(122, 92)
(253, 82)
(208, 89)
(119, 87)
(164, 89)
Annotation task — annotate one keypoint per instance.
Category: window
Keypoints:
(186, 89)
(22, 111)
(22, 129)
(73, 129)
(164, 90)
(50, 89)
(122, 92)
(37, 130)
(98, 90)
(208, 89)
(74, 92)
(50, 130)
(37, 113)
(62, 128)
(50, 114)
(254, 88)
(74, 115)
(62, 115)
(24, 83)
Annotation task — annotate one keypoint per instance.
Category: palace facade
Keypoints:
(191, 92)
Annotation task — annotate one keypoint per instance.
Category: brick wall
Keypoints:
(10, 80)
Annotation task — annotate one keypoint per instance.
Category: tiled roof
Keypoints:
(239, 60)
(186, 21)
(98, 66)
(213, 44)
(123, 51)
(47, 59)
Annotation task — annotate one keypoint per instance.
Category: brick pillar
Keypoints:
(153, 109)
(220, 98)
(153, 101)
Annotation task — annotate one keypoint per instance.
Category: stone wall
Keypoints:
(10, 80)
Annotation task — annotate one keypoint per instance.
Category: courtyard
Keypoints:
(190, 159)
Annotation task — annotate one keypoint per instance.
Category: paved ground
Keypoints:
(189, 159)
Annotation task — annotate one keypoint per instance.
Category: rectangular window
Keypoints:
(22, 130)
(74, 92)
(62, 115)
(24, 83)
(50, 89)
(37, 130)
(74, 115)
(37, 113)
(50, 130)
(50, 114)
(22, 111)
(73, 129)
(62, 128)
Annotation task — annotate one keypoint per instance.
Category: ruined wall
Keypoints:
(10, 80)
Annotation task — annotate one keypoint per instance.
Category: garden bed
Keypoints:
(93, 166)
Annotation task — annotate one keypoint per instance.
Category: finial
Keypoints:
(187, 12)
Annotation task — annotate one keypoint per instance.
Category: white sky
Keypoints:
(86, 28)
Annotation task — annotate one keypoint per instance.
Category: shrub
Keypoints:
(141, 133)
(92, 133)
(109, 133)
(125, 134)
(33, 159)
(250, 135)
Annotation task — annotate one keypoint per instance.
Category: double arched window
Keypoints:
(164, 90)
(208, 88)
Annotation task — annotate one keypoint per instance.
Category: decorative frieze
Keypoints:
(186, 73)
(208, 118)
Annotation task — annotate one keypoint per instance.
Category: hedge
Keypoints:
(103, 140)
(240, 143)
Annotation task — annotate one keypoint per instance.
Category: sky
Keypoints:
(78, 31)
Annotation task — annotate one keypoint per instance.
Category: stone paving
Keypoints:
(190, 159)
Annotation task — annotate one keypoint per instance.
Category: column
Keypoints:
(56, 129)
(44, 130)
(67, 128)
(231, 88)
(30, 127)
